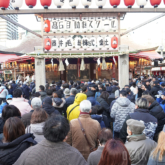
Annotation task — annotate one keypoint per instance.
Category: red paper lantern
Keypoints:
(46, 3)
(114, 3)
(31, 3)
(114, 42)
(47, 43)
(155, 3)
(129, 3)
(47, 26)
(4, 4)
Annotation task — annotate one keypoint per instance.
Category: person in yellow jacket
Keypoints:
(73, 111)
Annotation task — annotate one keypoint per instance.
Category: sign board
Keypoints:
(8, 71)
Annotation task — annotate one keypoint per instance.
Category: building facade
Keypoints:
(9, 31)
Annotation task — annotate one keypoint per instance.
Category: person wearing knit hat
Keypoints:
(66, 93)
(138, 146)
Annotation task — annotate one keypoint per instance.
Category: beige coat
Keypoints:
(76, 137)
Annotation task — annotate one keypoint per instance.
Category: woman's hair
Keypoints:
(115, 153)
(13, 129)
(10, 111)
(142, 103)
(38, 116)
(104, 135)
(105, 95)
(160, 149)
(134, 84)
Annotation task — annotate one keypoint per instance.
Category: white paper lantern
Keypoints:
(59, 3)
(77, 25)
(74, 3)
(78, 43)
(107, 42)
(92, 25)
(106, 25)
(62, 43)
(69, 43)
(16, 4)
(84, 25)
(141, 3)
(69, 25)
(85, 42)
(55, 43)
(62, 25)
(99, 24)
(100, 3)
(92, 43)
(100, 42)
(55, 25)
(86, 3)
(114, 24)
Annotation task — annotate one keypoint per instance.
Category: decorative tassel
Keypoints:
(61, 65)
(82, 67)
(104, 65)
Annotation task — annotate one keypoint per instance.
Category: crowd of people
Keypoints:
(83, 123)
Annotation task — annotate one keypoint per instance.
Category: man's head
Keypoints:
(141, 103)
(47, 101)
(149, 98)
(9, 99)
(36, 103)
(93, 87)
(65, 85)
(85, 106)
(123, 93)
(126, 86)
(49, 92)
(56, 128)
(17, 93)
(84, 89)
(73, 91)
(67, 92)
(41, 88)
(135, 127)
(154, 79)
(147, 83)
(156, 83)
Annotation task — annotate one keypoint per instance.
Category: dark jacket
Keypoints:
(111, 98)
(26, 118)
(26, 91)
(91, 93)
(49, 109)
(43, 95)
(32, 85)
(157, 111)
(150, 123)
(154, 90)
(59, 104)
(148, 87)
(2, 122)
(10, 152)
(100, 119)
(91, 97)
(109, 89)
(70, 100)
(14, 86)
(131, 97)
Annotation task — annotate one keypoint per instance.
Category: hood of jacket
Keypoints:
(141, 110)
(123, 101)
(79, 98)
(2, 87)
(136, 137)
(48, 108)
(58, 102)
(37, 128)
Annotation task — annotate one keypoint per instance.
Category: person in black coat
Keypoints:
(141, 113)
(15, 141)
(26, 91)
(14, 85)
(156, 110)
(147, 85)
(155, 89)
(8, 111)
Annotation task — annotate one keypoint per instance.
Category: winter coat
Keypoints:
(100, 119)
(154, 90)
(150, 123)
(50, 153)
(94, 157)
(73, 111)
(148, 87)
(131, 97)
(139, 148)
(59, 104)
(2, 122)
(109, 89)
(156, 110)
(36, 130)
(32, 85)
(3, 92)
(10, 152)
(111, 98)
(105, 106)
(14, 86)
(120, 110)
(76, 137)
(153, 161)
(70, 100)
(49, 109)
(26, 91)
(93, 101)
(43, 95)
(26, 118)
(22, 104)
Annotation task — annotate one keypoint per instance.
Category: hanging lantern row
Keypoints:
(85, 43)
(80, 25)
(74, 3)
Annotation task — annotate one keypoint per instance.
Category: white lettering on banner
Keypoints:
(84, 25)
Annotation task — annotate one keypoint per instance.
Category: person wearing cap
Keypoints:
(138, 145)
(155, 89)
(71, 98)
(157, 157)
(66, 93)
(8, 100)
